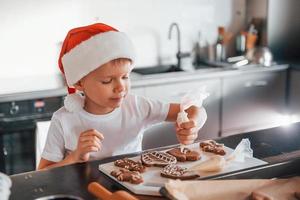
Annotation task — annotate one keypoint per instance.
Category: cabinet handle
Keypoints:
(249, 84)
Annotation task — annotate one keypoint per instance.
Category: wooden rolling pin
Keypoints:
(101, 192)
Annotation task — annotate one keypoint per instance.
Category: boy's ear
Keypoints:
(79, 85)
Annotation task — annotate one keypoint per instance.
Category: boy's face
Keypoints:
(106, 87)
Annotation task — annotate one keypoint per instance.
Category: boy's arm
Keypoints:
(47, 164)
(88, 141)
(174, 109)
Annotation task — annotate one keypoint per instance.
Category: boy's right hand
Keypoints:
(88, 141)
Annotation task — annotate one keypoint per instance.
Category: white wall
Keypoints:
(31, 31)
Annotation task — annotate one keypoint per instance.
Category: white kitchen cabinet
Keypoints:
(252, 101)
(164, 134)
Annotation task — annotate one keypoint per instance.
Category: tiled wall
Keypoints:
(31, 31)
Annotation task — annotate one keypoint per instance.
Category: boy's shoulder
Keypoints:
(61, 112)
(133, 99)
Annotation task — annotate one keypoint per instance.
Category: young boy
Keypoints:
(106, 120)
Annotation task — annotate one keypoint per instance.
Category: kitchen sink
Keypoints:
(172, 68)
(157, 69)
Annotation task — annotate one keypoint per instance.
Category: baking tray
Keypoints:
(153, 181)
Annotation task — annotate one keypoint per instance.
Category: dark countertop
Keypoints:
(273, 145)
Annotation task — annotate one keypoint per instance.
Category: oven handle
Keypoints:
(24, 118)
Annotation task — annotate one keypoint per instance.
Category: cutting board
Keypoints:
(153, 181)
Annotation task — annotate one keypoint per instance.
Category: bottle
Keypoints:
(197, 51)
(241, 43)
(220, 48)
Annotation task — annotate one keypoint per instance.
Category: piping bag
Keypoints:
(191, 98)
(217, 163)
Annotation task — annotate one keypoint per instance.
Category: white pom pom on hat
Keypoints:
(87, 48)
(74, 102)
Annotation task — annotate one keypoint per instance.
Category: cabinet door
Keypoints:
(252, 101)
(164, 134)
(294, 97)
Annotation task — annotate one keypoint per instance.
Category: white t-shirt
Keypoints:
(122, 129)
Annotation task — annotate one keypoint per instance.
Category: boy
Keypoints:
(96, 60)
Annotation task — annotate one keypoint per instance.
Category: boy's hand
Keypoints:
(88, 141)
(187, 132)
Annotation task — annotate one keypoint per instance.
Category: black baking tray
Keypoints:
(284, 169)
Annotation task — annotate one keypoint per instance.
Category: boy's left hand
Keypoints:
(187, 132)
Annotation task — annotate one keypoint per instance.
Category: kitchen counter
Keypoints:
(272, 145)
(43, 87)
(198, 74)
(33, 87)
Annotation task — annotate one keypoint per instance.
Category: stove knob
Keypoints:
(14, 108)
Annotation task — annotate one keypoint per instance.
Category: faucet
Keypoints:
(179, 55)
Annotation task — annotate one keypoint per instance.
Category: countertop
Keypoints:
(272, 145)
(199, 74)
(43, 87)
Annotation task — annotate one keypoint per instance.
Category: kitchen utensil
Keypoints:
(238, 61)
(260, 55)
(100, 192)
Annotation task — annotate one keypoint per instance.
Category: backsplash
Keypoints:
(31, 31)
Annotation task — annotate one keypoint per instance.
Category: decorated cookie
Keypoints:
(125, 175)
(212, 147)
(129, 164)
(177, 172)
(157, 158)
(186, 155)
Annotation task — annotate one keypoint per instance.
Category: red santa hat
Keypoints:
(87, 48)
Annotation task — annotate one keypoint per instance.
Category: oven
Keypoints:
(18, 122)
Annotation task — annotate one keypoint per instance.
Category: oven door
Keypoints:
(17, 147)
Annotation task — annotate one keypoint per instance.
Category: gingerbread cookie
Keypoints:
(125, 175)
(177, 172)
(186, 155)
(129, 164)
(157, 158)
(212, 147)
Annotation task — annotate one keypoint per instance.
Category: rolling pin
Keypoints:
(101, 192)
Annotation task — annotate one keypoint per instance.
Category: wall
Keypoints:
(31, 31)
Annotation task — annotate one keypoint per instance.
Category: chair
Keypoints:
(40, 139)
